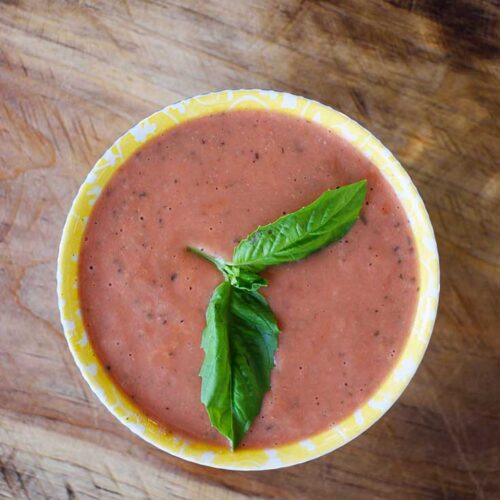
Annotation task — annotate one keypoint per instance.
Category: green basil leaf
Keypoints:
(239, 340)
(297, 235)
(216, 386)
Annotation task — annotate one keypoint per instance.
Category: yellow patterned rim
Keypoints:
(112, 397)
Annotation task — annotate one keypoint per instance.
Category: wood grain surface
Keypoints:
(422, 75)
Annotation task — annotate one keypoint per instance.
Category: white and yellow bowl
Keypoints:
(111, 395)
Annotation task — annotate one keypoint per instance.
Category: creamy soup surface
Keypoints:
(344, 312)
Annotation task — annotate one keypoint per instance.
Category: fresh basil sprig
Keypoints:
(240, 340)
(241, 333)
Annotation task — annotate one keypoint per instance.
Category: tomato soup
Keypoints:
(344, 312)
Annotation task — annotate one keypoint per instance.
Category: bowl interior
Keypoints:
(113, 398)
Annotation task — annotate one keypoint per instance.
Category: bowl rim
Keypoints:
(111, 395)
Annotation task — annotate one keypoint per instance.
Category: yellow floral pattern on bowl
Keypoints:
(98, 378)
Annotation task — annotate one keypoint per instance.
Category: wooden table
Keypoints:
(421, 74)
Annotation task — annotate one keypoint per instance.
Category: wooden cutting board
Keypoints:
(422, 75)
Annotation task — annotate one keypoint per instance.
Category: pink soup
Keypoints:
(345, 312)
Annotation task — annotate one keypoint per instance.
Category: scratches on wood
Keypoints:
(28, 147)
(359, 102)
(4, 230)
(469, 468)
(17, 482)
(70, 492)
(80, 468)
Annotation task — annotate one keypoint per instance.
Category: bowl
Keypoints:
(111, 395)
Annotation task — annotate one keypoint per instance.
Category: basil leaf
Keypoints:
(297, 235)
(241, 278)
(239, 340)
(216, 387)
